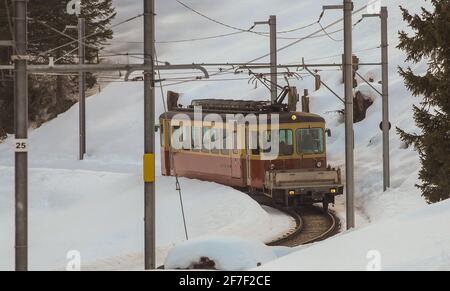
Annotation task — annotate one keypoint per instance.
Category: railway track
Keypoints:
(313, 225)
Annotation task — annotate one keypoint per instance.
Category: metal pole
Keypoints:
(385, 91)
(349, 132)
(82, 87)
(149, 119)
(273, 58)
(21, 129)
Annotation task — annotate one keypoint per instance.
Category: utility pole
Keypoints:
(272, 22)
(385, 124)
(273, 58)
(21, 122)
(349, 131)
(21, 135)
(82, 87)
(385, 91)
(149, 120)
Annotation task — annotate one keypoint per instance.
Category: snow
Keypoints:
(416, 241)
(95, 206)
(228, 253)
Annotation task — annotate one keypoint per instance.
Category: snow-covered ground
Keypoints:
(96, 205)
(417, 241)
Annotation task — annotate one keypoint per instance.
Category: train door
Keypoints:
(236, 161)
(165, 150)
(248, 153)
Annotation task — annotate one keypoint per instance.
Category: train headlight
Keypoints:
(294, 117)
(333, 190)
(319, 164)
(291, 192)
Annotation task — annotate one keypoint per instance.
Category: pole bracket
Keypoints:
(20, 58)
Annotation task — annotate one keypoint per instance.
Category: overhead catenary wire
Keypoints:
(90, 35)
(113, 53)
(296, 41)
(216, 37)
(265, 34)
(177, 181)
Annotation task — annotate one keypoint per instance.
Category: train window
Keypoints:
(286, 147)
(310, 141)
(214, 139)
(254, 144)
(225, 150)
(186, 138)
(206, 140)
(286, 142)
(196, 139)
(177, 137)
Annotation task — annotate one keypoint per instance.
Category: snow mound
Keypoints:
(226, 253)
(416, 240)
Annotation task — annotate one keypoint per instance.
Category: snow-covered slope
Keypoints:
(96, 206)
(417, 240)
(100, 198)
(372, 203)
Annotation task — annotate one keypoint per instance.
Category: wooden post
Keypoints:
(293, 99)
(318, 81)
(305, 102)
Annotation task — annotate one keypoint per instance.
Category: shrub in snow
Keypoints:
(220, 253)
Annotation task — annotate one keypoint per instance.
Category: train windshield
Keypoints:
(286, 147)
(310, 141)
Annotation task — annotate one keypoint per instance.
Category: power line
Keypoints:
(293, 43)
(327, 34)
(340, 55)
(90, 35)
(216, 37)
(216, 21)
(265, 34)
(200, 38)
(88, 45)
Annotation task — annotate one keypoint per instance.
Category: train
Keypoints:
(297, 174)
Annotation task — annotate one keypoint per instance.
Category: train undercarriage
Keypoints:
(293, 188)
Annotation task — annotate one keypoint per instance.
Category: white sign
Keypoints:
(21, 145)
(74, 7)
(374, 7)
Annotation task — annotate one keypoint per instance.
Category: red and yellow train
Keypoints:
(299, 174)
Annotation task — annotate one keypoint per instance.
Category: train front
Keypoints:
(300, 174)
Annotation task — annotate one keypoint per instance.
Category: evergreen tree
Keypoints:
(51, 95)
(430, 42)
(6, 78)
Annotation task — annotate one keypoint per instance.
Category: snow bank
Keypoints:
(372, 203)
(228, 253)
(416, 240)
(96, 206)
(101, 197)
